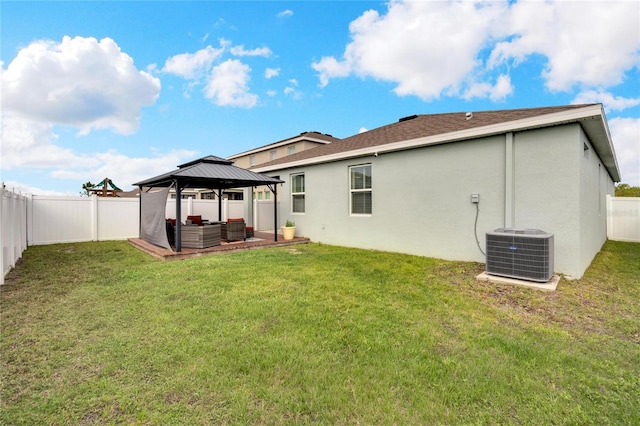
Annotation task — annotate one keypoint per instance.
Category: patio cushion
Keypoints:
(196, 220)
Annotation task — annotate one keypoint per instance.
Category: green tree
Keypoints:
(625, 190)
(85, 189)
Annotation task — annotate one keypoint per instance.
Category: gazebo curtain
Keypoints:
(153, 227)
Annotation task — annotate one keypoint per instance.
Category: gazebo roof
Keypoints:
(209, 172)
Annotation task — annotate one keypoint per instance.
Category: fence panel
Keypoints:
(13, 229)
(55, 219)
(263, 215)
(623, 218)
(117, 218)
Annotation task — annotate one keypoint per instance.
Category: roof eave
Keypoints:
(279, 144)
(602, 142)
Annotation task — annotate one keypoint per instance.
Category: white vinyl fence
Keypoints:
(39, 219)
(53, 219)
(623, 218)
(13, 228)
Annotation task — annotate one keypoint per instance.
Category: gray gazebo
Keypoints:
(211, 172)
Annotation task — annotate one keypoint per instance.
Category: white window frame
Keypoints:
(353, 190)
(298, 193)
(252, 160)
(291, 150)
(273, 155)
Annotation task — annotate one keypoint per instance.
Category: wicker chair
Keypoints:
(171, 231)
(235, 230)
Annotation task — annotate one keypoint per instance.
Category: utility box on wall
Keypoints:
(520, 253)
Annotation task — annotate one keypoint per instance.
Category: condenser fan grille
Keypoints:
(520, 253)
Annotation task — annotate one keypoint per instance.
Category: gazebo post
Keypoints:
(140, 212)
(178, 217)
(275, 212)
(219, 205)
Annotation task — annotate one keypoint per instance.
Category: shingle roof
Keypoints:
(481, 123)
(209, 172)
(312, 136)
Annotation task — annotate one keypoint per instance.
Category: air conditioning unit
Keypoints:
(520, 253)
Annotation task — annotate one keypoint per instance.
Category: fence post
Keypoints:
(94, 217)
(609, 217)
(2, 220)
(29, 220)
(16, 239)
(13, 240)
(225, 209)
(256, 215)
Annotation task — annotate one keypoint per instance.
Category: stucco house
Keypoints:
(278, 150)
(407, 187)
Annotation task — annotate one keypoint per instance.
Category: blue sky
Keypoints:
(129, 90)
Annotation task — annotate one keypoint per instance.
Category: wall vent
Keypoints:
(520, 253)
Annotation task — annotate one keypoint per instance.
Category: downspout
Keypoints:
(509, 186)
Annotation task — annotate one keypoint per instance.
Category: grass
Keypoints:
(99, 333)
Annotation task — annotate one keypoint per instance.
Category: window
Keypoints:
(267, 195)
(274, 155)
(252, 160)
(291, 150)
(360, 188)
(297, 193)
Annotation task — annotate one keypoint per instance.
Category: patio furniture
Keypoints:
(234, 230)
(195, 220)
(194, 236)
(171, 231)
(249, 231)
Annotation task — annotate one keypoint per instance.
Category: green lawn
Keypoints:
(100, 333)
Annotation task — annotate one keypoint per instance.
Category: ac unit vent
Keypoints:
(520, 253)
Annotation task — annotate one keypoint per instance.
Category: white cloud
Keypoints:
(271, 72)
(499, 91)
(590, 43)
(24, 188)
(610, 102)
(459, 48)
(123, 170)
(241, 51)
(363, 129)
(228, 85)
(329, 68)
(424, 47)
(192, 65)
(126, 170)
(226, 82)
(292, 90)
(625, 133)
(31, 144)
(285, 13)
(79, 82)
